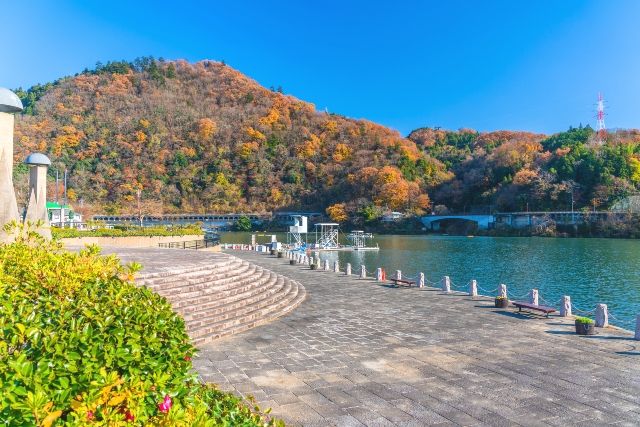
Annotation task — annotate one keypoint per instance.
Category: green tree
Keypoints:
(243, 224)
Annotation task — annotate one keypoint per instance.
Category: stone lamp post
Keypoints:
(9, 105)
(37, 209)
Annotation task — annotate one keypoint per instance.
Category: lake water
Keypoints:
(591, 271)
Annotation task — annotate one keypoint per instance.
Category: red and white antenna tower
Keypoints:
(602, 129)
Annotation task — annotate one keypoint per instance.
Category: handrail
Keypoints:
(190, 244)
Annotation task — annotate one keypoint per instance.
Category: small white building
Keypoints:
(392, 216)
(64, 216)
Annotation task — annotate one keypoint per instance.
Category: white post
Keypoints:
(310, 259)
(363, 272)
(533, 297)
(602, 316)
(398, 274)
(318, 261)
(473, 288)
(326, 265)
(421, 280)
(379, 274)
(336, 267)
(503, 290)
(637, 336)
(446, 284)
(565, 308)
(348, 271)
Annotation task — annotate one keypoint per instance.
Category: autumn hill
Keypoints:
(203, 137)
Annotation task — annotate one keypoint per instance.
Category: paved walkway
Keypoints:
(358, 353)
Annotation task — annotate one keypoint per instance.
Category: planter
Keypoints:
(501, 302)
(292, 262)
(280, 255)
(313, 267)
(585, 328)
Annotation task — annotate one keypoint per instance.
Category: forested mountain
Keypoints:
(204, 137)
(517, 171)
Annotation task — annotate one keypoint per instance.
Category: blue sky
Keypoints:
(535, 65)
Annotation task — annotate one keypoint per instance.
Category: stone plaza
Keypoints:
(357, 352)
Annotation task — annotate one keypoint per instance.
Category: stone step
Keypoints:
(276, 287)
(190, 275)
(217, 296)
(252, 323)
(216, 282)
(218, 262)
(244, 314)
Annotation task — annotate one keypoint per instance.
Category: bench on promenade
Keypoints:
(400, 282)
(543, 308)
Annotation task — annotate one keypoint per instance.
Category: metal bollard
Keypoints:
(348, 270)
(565, 308)
(533, 297)
(336, 267)
(363, 272)
(379, 274)
(326, 265)
(398, 274)
(446, 284)
(602, 316)
(503, 290)
(473, 288)
(421, 280)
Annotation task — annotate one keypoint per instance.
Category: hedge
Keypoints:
(66, 233)
(81, 345)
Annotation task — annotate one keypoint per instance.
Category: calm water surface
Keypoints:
(591, 271)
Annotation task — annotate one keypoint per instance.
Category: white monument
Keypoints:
(37, 208)
(9, 105)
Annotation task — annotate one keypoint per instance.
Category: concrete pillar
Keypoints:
(310, 260)
(37, 214)
(9, 105)
(533, 297)
(379, 274)
(446, 284)
(348, 270)
(398, 274)
(421, 280)
(326, 264)
(363, 272)
(318, 261)
(473, 288)
(637, 335)
(336, 266)
(503, 290)
(602, 316)
(565, 307)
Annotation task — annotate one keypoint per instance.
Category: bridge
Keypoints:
(433, 222)
(520, 219)
(208, 220)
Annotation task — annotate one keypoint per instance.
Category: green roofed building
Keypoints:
(64, 216)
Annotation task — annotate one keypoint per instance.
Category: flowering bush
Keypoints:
(81, 345)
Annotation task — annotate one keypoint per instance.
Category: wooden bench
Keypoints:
(399, 282)
(543, 308)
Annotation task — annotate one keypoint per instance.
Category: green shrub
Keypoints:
(584, 320)
(128, 231)
(81, 345)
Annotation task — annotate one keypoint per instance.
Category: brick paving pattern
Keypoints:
(359, 353)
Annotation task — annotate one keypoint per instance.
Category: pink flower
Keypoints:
(90, 415)
(128, 416)
(165, 405)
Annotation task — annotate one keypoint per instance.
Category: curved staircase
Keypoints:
(224, 295)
